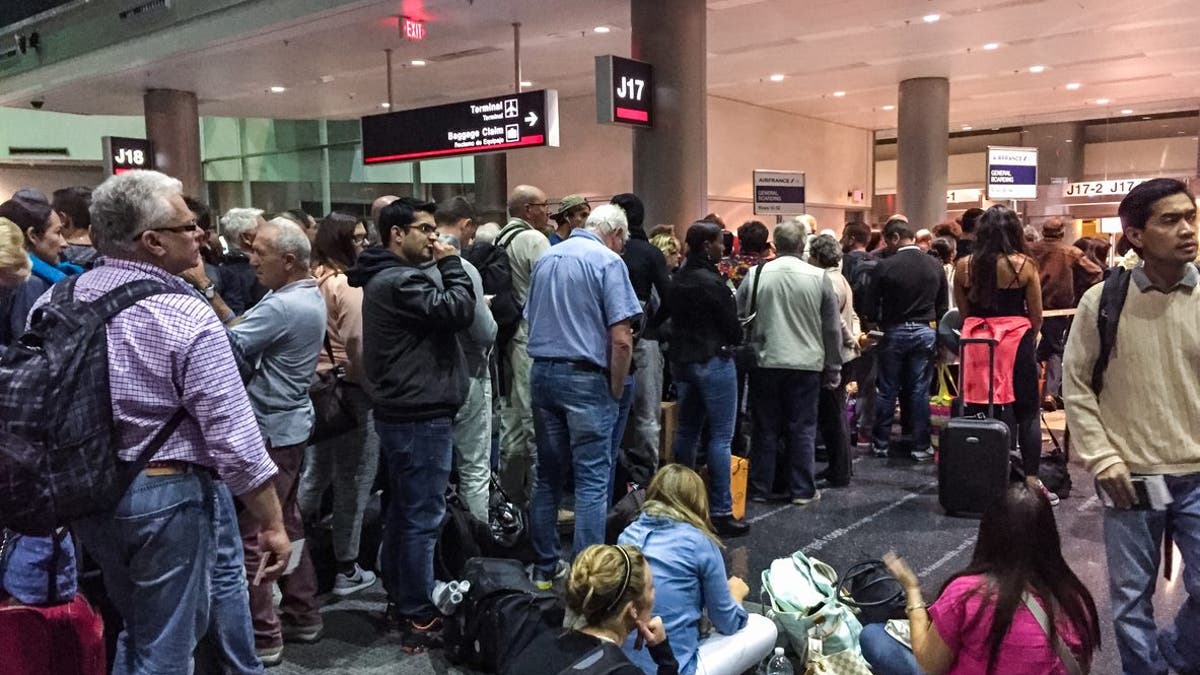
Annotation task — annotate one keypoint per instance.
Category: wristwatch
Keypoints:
(209, 291)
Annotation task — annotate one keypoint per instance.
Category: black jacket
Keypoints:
(703, 313)
(414, 365)
(240, 288)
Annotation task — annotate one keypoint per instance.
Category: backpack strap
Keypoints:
(1112, 301)
(604, 659)
(509, 233)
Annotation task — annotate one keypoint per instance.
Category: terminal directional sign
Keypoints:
(525, 120)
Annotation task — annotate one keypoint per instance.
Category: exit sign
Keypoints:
(411, 30)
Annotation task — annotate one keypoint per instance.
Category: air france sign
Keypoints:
(1011, 173)
(779, 193)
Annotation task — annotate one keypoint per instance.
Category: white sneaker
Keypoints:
(922, 455)
(344, 584)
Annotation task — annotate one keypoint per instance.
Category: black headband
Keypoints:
(625, 583)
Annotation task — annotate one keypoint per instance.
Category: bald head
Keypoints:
(529, 204)
(378, 204)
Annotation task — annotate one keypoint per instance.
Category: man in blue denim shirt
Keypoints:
(581, 304)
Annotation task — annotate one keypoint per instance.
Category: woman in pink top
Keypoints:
(981, 624)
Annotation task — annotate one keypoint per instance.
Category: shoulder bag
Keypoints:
(1060, 648)
(746, 354)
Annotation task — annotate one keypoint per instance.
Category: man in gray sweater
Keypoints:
(797, 338)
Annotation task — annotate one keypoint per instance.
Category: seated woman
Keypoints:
(674, 535)
(986, 619)
(610, 594)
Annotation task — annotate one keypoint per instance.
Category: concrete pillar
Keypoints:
(1060, 150)
(173, 125)
(921, 140)
(491, 188)
(670, 161)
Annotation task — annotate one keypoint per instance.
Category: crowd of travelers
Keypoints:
(535, 363)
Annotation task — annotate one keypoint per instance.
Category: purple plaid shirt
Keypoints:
(169, 351)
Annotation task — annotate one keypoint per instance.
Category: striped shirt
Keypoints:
(169, 351)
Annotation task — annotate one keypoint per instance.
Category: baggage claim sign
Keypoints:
(1011, 173)
(525, 120)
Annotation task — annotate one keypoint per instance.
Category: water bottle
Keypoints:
(779, 664)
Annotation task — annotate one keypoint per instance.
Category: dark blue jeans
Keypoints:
(623, 408)
(707, 393)
(905, 355)
(418, 463)
(885, 653)
(783, 404)
(573, 417)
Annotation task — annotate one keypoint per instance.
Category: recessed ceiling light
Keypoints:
(1145, 117)
(839, 94)
(1037, 69)
(967, 127)
(889, 107)
(778, 77)
(385, 104)
(991, 46)
(278, 89)
(601, 29)
(417, 62)
(931, 18)
(1127, 111)
(1102, 101)
(1068, 140)
(526, 83)
(1073, 86)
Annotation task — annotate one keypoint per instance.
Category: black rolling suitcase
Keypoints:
(973, 464)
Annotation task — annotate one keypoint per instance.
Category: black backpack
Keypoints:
(58, 459)
(862, 286)
(1112, 301)
(502, 613)
(495, 270)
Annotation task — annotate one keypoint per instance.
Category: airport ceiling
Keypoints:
(840, 60)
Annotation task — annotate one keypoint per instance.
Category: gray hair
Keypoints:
(291, 239)
(825, 251)
(521, 196)
(125, 205)
(789, 237)
(237, 222)
(608, 219)
(487, 232)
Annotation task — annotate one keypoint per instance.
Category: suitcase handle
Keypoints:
(991, 343)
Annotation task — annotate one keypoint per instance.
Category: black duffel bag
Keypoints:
(871, 589)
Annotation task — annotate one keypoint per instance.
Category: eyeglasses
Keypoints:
(538, 204)
(359, 238)
(191, 226)
(427, 228)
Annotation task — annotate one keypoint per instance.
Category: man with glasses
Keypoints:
(416, 298)
(524, 239)
(168, 352)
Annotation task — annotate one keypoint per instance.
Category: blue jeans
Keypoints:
(418, 463)
(230, 628)
(707, 393)
(573, 415)
(885, 653)
(905, 356)
(784, 403)
(1133, 544)
(157, 552)
(623, 408)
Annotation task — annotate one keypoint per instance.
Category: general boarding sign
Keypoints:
(525, 120)
(778, 193)
(1011, 173)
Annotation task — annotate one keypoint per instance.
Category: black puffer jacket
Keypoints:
(415, 368)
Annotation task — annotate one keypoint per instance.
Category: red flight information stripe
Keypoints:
(631, 114)
(525, 141)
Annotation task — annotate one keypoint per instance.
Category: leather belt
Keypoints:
(171, 468)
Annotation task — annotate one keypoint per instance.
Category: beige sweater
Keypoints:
(1148, 414)
(343, 302)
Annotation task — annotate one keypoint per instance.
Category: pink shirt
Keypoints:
(1026, 649)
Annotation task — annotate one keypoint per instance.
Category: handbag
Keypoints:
(940, 404)
(800, 594)
(746, 354)
(333, 414)
(870, 588)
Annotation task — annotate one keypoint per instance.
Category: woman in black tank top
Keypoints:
(999, 280)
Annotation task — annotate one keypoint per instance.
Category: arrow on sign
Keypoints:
(531, 119)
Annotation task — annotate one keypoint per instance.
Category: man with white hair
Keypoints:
(169, 353)
(240, 289)
(282, 335)
(580, 312)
